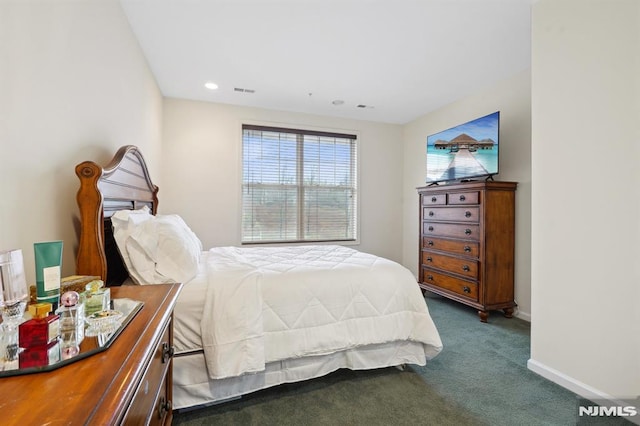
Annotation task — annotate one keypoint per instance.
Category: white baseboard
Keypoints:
(577, 387)
(523, 316)
(569, 383)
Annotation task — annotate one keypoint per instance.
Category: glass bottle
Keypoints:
(42, 329)
(70, 340)
(96, 297)
(13, 294)
(71, 310)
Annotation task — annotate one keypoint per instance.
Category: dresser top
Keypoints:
(472, 185)
(95, 390)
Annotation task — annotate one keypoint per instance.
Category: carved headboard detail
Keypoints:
(123, 184)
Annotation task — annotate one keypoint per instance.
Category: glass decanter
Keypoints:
(14, 295)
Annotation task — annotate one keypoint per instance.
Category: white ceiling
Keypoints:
(400, 58)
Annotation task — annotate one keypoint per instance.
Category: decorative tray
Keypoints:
(90, 337)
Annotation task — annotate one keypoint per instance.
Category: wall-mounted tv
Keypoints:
(465, 152)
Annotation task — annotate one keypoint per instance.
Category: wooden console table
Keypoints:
(131, 382)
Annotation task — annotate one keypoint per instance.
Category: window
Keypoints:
(298, 185)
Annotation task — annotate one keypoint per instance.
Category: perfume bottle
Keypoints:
(70, 340)
(71, 310)
(42, 329)
(96, 297)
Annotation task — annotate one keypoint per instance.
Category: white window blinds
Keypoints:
(298, 185)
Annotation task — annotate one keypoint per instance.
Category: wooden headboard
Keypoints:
(123, 184)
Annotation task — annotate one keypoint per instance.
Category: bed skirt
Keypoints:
(192, 387)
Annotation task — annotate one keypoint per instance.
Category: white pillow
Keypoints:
(124, 222)
(163, 250)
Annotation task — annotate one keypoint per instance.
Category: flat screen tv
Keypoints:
(465, 152)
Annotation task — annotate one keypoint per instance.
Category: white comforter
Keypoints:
(274, 303)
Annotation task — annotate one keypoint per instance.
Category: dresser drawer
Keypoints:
(456, 198)
(467, 231)
(454, 214)
(162, 407)
(466, 248)
(459, 286)
(460, 266)
(434, 199)
(144, 408)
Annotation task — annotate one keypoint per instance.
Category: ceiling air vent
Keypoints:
(242, 90)
(363, 106)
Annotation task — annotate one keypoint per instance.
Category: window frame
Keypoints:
(296, 129)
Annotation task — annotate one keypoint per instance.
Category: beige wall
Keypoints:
(202, 149)
(512, 97)
(74, 86)
(585, 202)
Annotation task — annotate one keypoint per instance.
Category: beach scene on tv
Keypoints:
(464, 151)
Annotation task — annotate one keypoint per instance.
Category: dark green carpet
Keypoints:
(480, 378)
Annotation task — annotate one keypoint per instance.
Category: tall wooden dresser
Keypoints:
(467, 243)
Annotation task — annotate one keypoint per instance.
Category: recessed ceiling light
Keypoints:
(211, 85)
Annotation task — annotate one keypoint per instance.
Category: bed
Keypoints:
(248, 318)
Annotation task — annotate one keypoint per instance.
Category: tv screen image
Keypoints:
(466, 151)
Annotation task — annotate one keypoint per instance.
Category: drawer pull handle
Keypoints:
(164, 407)
(430, 277)
(431, 213)
(430, 243)
(466, 268)
(430, 228)
(429, 259)
(467, 214)
(167, 352)
(467, 249)
(467, 231)
(434, 199)
(462, 198)
(466, 289)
